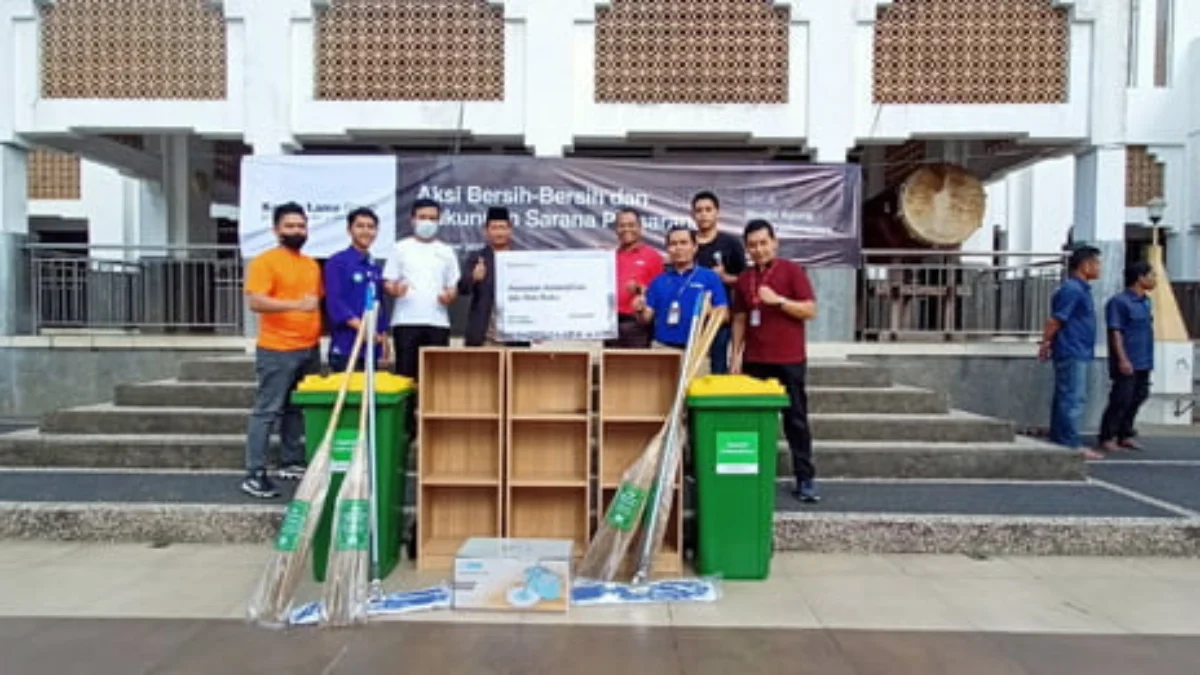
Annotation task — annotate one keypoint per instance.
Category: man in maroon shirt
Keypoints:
(637, 265)
(772, 300)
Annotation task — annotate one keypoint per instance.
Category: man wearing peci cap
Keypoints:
(478, 280)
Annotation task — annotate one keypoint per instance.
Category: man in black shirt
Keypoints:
(722, 253)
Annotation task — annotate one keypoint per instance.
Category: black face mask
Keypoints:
(293, 241)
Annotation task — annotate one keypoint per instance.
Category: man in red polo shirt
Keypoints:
(637, 265)
(772, 300)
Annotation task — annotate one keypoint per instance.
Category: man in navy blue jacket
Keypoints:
(346, 276)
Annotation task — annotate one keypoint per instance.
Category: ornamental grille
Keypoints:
(410, 50)
(133, 49)
(1143, 176)
(52, 175)
(686, 51)
(972, 51)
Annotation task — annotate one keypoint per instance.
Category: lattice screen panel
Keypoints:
(411, 50)
(1144, 176)
(52, 175)
(972, 51)
(688, 51)
(133, 49)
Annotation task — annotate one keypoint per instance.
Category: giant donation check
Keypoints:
(556, 295)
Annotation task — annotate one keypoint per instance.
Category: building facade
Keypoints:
(133, 115)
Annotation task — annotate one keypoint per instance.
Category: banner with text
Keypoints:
(573, 203)
(556, 295)
(329, 187)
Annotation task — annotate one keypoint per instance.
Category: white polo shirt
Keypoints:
(429, 267)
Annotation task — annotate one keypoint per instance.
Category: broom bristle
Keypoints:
(271, 602)
(603, 558)
(345, 596)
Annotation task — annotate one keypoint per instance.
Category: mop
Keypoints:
(271, 602)
(354, 526)
(603, 558)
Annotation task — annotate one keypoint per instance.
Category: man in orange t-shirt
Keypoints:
(283, 286)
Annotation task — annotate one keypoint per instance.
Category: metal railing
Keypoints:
(194, 289)
(914, 294)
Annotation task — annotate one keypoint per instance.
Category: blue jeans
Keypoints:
(719, 354)
(278, 374)
(1070, 396)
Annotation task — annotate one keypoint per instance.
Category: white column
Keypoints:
(260, 54)
(14, 230)
(831, 28)
(549, 67)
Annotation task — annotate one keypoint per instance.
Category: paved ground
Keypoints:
(184, 647)
(97, 609)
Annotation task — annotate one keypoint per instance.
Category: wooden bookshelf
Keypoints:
(461, 453)
(549, 428)
(637, 388)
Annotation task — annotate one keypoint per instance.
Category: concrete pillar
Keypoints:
(15, 303)
(549, 28)
(187, 182)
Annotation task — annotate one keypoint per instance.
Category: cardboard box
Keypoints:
(516, 575)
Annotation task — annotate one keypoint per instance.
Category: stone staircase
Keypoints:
(901, 472)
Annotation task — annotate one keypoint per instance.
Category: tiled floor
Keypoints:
(897, 593)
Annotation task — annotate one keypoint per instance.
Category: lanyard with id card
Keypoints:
(760, 280)
(675, 312)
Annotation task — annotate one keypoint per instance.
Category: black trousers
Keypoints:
(409, 340)
(795, 416)
(631, 334)
(1126, 397)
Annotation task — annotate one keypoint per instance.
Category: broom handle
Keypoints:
(345, 385)
(646, 558)
(369, 402)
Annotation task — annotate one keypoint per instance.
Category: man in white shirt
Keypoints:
(422, 274)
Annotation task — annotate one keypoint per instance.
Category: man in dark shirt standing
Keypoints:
(346, 277)
(1130, 322)
(478, 280)
(1070, 338)
(772, 300)
(723, 254)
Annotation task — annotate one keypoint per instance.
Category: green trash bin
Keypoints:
(735, 433)
(316, 395)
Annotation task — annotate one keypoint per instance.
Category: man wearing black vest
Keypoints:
(478, 280)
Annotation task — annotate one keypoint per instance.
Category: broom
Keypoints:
(344, 600)
(604, 556)
(271, 602)
(660, 507)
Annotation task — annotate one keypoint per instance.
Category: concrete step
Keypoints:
(240, 395)
(106, 418)
(1022, 459)
(955, 427)
(947, 517)
(821, 373)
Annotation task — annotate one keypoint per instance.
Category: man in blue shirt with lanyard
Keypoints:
(346, 277)
(671, 297)
(1070, 337)
(1130, 357)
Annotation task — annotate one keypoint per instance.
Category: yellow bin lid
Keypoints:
(385, 383)
(734, 385)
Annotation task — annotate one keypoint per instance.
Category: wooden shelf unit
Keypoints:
(637, 388)
(460, 456)
(549, 430)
